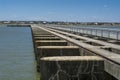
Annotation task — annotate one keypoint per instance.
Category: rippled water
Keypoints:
(16, 54)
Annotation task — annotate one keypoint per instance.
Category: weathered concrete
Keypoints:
(96, 50)
(113, 69)
(85, 38)
(48, 43)
(72, 68)
(44, 35)
(44, 51)
(86, 45)
(84, 52)
(47, 38)
(92, 43)
(51, 43)
(41, 33)
(111, 49)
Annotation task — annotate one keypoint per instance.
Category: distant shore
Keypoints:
(22, 23)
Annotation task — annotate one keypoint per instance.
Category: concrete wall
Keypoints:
(112, 69)
(72, 68)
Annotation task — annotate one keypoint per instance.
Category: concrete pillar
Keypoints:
(81, 52)
(113, 69)
(72, 68)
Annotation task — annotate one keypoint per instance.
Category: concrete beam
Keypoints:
(41, 32)
(44, 35)
(51, 43)
(47, 38)
(44, 51)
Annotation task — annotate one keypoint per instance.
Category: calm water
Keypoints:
(16, 54)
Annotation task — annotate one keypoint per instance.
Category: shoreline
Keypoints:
(53, 24)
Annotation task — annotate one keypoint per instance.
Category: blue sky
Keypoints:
(61, 10)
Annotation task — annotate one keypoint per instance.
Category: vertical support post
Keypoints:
(108, 34)
(101, 33)
(117, 35)
(96, 32)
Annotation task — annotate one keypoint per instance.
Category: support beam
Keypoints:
(51, 43)
(47, 38)
(44, 35)
(45, 51)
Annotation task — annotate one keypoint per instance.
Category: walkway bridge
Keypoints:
(68, 54)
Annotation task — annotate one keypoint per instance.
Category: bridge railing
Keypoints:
(105, 33)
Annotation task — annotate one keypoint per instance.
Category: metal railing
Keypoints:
(105, 33)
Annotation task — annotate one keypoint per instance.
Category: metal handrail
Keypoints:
(113, 34)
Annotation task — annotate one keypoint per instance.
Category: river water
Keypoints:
(16, 54)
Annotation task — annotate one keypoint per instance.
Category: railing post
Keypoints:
(117, 35)
(96, 32)
(91, 31)
(108, 34)
(101, 33)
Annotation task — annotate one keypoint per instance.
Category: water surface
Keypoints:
(16, 54)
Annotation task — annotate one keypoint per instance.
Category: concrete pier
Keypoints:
(66, 56)
(72, 68)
